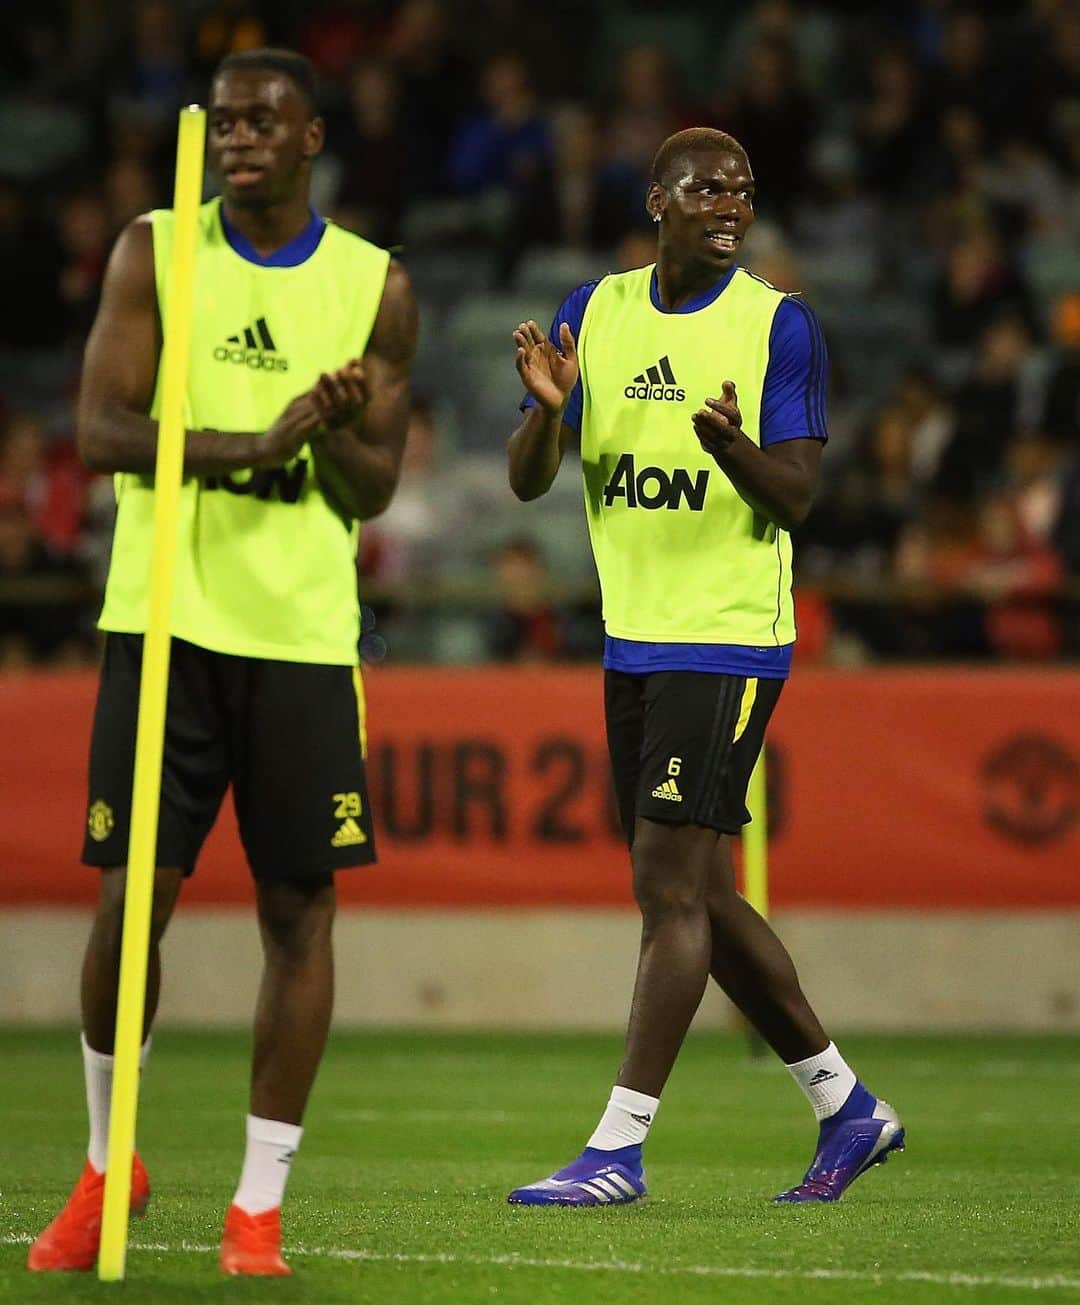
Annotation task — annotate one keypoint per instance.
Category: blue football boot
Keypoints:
(861, 1134)
(595, 1178)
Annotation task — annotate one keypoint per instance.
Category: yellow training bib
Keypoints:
(264, 566)
(681, 557)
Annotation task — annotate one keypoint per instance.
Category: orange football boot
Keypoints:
(71, 1241)
(251, 1244)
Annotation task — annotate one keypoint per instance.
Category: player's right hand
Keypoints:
(547, 372)
(287, 436)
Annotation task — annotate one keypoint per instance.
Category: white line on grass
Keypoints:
(1052, 1282)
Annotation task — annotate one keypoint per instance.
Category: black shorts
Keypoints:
(683, 744)
(288, 736)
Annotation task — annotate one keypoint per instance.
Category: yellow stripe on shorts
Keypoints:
(361, 709)
(745, 708)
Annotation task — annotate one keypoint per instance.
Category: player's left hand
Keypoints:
(719, 422)
(340, 395)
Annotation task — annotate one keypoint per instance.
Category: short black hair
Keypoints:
(691, 141)
(297, 67)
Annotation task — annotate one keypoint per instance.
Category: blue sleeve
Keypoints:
(572, 312)
(793, 396)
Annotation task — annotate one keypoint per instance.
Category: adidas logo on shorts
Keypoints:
(668, 790)
(348, 835)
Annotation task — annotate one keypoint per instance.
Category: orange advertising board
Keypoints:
(927, 789)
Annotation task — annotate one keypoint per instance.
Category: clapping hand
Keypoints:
(719, 422)
(339, 396)
(547, 372)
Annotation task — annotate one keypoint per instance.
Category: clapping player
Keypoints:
(297, 403)
(698, 393)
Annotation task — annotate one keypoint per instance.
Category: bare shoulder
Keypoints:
(397, 296)
(394, 333)
(131, 264)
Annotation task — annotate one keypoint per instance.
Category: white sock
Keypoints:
(626, 1121)
(826, 1079)
(271, 1146)
(98, 1074)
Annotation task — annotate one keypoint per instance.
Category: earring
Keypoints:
(656, 217)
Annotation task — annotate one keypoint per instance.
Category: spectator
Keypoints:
(1034, 480)
(976, 284)
(48, 480)
(1058, 81)
(774, 119)
(644, 112)
(507, 145)
(810, 31)
(1061, 417)
(966, 75)
(993, 586)
(924, 401)
(893, 125)
(407, 543)
(85, 235)
(860, 517)
(854, 530)
(507, 153)
(41, 600)
(1026, 190)
(437, 85)
(576, 189)
(155, 71)
(1018, 579)
(837, 212)
(129, 190)
(376, 154)
(988, 404)
(937, 555)
(528, 627)
(960, 152)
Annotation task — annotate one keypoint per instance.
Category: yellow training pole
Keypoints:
(150, 735)
(755, 845)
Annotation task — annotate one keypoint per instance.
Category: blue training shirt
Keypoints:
(792, 408)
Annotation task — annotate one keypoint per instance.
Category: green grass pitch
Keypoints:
(413, 1140)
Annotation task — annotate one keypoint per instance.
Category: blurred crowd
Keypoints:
(918, 171)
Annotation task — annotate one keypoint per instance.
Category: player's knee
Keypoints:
(109, 922)
(112, 899)
(665, 884)
(295, 918)
(660, 896)
(161, 912)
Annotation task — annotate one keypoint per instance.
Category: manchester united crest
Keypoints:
(101, 821)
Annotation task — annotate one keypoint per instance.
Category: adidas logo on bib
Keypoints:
(252, 347)
(656, 382)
